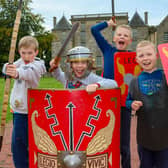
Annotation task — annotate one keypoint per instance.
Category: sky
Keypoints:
(157, 9)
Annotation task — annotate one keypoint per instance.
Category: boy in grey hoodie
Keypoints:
(78, 71)
(26, 73)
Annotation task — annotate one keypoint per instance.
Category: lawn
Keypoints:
(45, 82)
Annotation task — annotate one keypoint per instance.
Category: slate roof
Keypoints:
(164, 20)
(63, 24)
(136, 21)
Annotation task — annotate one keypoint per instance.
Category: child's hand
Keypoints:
(136, 105)
(53, 65)
(11, 70)
(111, 23)
(92, 88)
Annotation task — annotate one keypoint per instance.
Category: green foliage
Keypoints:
(30, 24)
(45, 41)
(50, 83)
(152, 29)
(2, 84)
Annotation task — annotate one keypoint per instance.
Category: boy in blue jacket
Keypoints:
(148, 95)
(122, 38)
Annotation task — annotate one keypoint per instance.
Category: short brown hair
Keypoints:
(125, 26)
(28, 41)
(144, 43)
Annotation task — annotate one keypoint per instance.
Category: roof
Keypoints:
(63, 24)
(136, 21)
(99, 16)
(163, 21)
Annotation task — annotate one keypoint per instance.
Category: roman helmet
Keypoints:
(79, 53)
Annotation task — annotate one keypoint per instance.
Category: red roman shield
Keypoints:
(125, 68)
(63, 123)
(163, 51)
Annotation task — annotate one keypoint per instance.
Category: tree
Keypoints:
(45, 41)
(31, 24)
(152, 29)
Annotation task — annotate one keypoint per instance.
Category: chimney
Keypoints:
(54, 21)
(146, 17)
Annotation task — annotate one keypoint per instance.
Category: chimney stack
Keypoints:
(54, 21)
(146, 17)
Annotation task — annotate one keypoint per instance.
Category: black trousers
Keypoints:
(125, 137)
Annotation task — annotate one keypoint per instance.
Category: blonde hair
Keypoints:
(28, 41)
(125, 27)
(145, 43)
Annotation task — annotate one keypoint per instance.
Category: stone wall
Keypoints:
(162, 28)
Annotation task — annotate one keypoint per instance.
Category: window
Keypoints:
(83, 38)
(98, 61)
(83, 27)
(134, 34)
(165, 37)
(83, 34)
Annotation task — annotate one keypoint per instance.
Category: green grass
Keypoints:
(45, 82)
(49, 83)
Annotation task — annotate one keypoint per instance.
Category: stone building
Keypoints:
(60, 30)
(140, 27)
(162, 31)
(84, 37)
